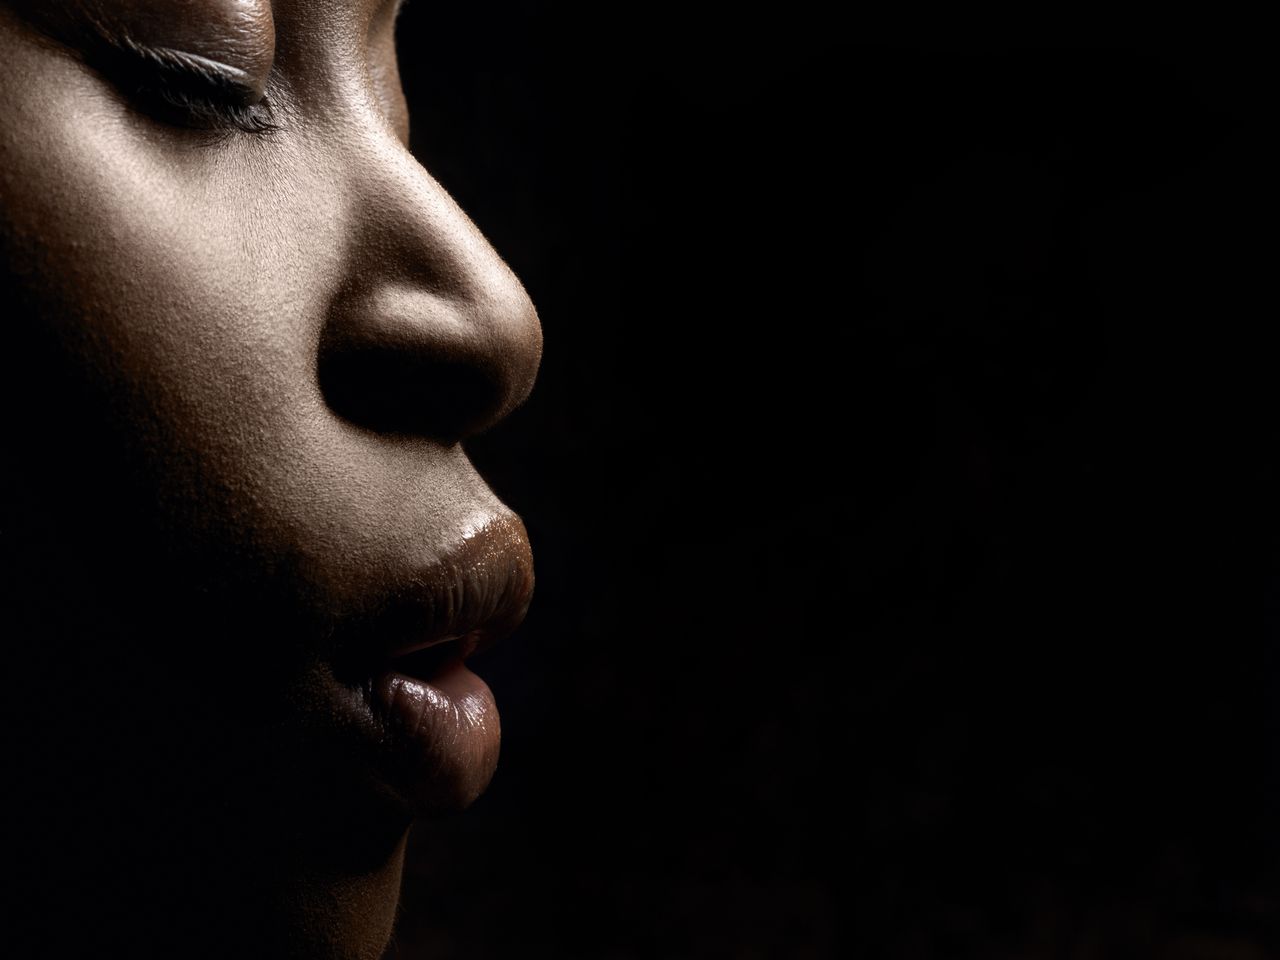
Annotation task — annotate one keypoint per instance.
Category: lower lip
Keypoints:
(443, 733)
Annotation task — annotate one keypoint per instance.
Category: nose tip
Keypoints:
(444, 358)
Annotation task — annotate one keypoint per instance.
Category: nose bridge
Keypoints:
(430, 331)
(398, 207)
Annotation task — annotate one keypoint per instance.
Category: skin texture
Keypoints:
(240, 360)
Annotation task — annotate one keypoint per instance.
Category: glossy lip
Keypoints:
(480, 590)
(437, 735)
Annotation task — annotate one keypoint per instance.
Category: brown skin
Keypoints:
(240, 358)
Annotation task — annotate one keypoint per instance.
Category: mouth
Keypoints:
(434, 722)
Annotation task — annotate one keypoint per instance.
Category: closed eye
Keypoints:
(187, 90)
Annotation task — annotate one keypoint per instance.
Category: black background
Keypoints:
(896, 476)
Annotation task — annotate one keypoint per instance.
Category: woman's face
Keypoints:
(246, 333)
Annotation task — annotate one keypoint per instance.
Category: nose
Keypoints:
(430, 333)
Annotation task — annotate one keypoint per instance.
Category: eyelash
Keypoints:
(186, 108)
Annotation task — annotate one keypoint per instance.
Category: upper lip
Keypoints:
(480, 590)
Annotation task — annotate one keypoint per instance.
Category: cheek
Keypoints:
(144, 252)
(172, 309)
(149, 293)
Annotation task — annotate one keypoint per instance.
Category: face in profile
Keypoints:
(245, 553)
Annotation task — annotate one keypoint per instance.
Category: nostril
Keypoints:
(426, 392)
(428, 332)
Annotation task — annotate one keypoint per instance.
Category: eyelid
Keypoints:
(189, 89)
(214, 77)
